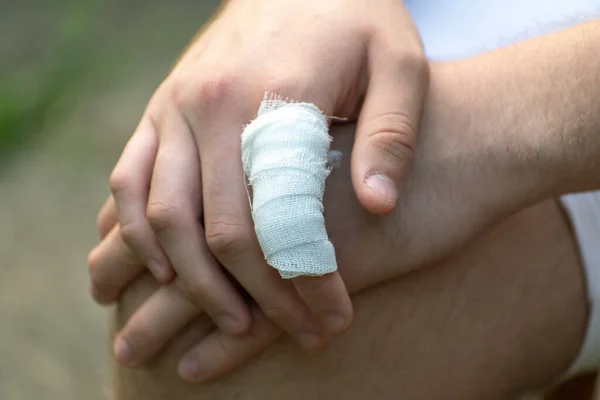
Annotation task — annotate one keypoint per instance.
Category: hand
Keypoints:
(334, 54)
(452, 194)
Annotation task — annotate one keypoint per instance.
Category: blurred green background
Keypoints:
(75, 77)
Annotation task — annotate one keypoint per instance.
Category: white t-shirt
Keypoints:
(458, 28)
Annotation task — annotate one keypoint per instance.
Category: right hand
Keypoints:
(353, 58)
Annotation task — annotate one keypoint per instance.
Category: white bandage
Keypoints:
(285, 154)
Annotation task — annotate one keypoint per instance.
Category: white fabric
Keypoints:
(453, 29)
(459, 28)
(584, 211)
(285, 154)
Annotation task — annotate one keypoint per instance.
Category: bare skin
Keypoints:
(505, 315)
(342, 55)
(509, 362)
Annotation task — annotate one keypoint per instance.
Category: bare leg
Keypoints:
(507, 314)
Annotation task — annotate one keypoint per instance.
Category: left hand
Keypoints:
(179, 185)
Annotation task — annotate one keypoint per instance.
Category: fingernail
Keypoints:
(231, 325)
(310, 340)
(123, 352)
(189, 370)
(334, 323)
(383, 186)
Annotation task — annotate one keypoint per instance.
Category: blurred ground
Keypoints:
(51, 334)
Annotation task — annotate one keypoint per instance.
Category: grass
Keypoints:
(33, 96)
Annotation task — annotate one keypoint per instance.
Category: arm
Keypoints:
(467, 329)
(539, 103)
(488, 148)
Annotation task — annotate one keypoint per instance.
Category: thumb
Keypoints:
(386, 132)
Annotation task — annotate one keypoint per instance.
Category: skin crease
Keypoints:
(422, 215)
(355, 236)
(370, 248)
(490, 179)
(482, 310)
(347, 62)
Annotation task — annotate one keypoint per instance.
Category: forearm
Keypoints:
(534, 108)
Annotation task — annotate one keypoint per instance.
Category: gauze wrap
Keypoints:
(285, 154)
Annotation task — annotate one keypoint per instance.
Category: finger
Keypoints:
(159, 318)
(387, 128)
(112, 267)
(107, 217)
(327, 298)
(219, 353)
(174, 207)
(130, 183)
(230, 233)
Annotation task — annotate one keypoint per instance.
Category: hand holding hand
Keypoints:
(448, 198)
(179, 188)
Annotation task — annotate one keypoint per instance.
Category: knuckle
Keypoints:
(395, 134)
(132, 232)
(227, 239)
(93, 262)
(274, 312)
(215, 91)
(164, 217)
(101, 287)
(194, 290)
(138, 334)
(282, 85)
(262, 332)
(284, 310)
(211, 92)
(348, 315)
(314, 286)
(287, 312)
(223, 356)
(119, 180)
(180, 94)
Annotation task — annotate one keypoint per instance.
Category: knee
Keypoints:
(157, 380)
